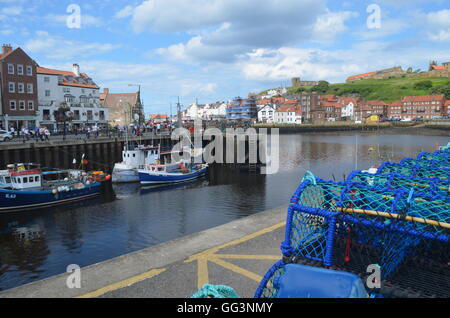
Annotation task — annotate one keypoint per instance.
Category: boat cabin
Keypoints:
(24, 180)
(140, 156)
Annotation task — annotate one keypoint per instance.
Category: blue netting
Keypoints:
(397, 218)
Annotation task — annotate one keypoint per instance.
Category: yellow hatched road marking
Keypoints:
(237, 269)
(202, 271)
(235, 242)
(124, 283)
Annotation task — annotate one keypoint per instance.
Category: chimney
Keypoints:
(6, 48)
(106, 91)
(76, 69)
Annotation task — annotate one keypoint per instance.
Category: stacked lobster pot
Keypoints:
(390, 228)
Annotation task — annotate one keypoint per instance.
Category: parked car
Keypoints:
(5, 135)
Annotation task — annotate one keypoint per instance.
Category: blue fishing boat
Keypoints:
(27, 187)
(171, 173)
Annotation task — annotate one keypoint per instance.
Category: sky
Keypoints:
(215, 50)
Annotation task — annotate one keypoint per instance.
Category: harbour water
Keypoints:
(42, 243)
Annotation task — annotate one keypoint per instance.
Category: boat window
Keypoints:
(18, 180)
(36, 178)
(31, 179)
(160, 169)
(7, 179)
(134, 155)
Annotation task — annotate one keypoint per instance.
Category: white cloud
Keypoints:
(55, 47)
(125, 12)
(438, 25)
(332, 65)
(329, 25)
(226, 30)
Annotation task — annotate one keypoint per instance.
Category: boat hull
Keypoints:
(13, 200)
(125, 176)
(161, 178)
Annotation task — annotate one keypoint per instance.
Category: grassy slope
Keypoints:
(386, 90)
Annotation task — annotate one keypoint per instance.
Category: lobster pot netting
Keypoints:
(351, 226)
(425, 163)
(439, 155)
(433, 186)
(414, 171)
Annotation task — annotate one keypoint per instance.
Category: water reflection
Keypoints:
(41, 243)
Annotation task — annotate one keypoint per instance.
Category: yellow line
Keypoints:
(124, 283)
(239, 256)
(237, 269)
(202, 272)
(235, 242)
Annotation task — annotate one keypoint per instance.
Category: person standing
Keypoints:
(88, 132)
(47, 134)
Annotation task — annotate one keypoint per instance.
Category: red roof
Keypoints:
(426, 98)
(354, 77)
(290, 109)
(78, 85)
(49, 71)
(438, 67)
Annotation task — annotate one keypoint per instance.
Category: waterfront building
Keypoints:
(288, 115)
(394, 110)
(242, 109)
(266, 114)
(18, 85)
(348, 109)
(124, 108)
(424, 107)
(73, 90)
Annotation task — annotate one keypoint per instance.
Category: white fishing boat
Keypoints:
(134, 158)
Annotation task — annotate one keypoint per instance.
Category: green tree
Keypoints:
(322, 87)
(423, 85)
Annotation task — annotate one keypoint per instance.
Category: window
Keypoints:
(47, 93)
(25, 180)
(19, 69)
(66, 90)
(46, 79)
(31, 179)
(21, 88)
(29, 70)
(30, 88)
(30, 105)
(36, 179)
(21, 105)
(10, 69)
(12, 104)
(12, 87)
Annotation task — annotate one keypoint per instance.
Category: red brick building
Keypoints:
(424, 107)
(19, 95)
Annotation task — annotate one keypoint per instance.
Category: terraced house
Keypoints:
(72, 90)
(18, 82)
(424, 107)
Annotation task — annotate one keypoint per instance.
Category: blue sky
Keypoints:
(218, 49)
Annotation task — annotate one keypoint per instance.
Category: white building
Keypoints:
(266, 114)
(288, 115)
(349, 108)
(274, 92)
(74, 90)
(206, 111)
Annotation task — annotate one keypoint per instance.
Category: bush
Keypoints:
(422, 85)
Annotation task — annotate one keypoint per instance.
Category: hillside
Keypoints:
(386, 90)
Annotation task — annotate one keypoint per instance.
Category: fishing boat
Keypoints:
(134, 158)
(26, 186)
(171, 173)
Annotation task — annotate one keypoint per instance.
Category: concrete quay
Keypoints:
(237, 254)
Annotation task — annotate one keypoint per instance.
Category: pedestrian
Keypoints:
(47, 134)
(95, 129)
(88, 132)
